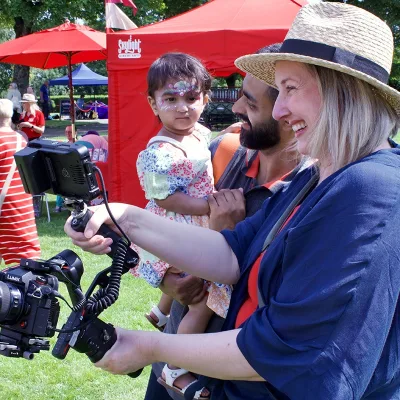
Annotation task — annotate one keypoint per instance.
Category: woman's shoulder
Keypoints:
(378, 171)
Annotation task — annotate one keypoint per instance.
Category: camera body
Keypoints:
(29, 308)
(28, 304)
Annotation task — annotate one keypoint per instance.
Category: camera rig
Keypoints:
(29, 306)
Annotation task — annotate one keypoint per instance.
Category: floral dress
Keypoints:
(165, 167)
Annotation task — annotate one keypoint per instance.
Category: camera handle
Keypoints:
(80, 217)
(87, 333)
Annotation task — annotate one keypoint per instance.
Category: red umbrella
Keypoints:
(66, 44)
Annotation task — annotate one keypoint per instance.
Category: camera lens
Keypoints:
(11, 303)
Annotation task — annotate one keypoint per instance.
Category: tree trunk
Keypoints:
(21, 72)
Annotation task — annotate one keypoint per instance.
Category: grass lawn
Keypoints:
(75, 378)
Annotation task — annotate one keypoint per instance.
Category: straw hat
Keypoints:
(28, 98)
(336, 36)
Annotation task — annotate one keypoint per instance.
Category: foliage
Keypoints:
(175, 7)
(27, 16)
(5, 69)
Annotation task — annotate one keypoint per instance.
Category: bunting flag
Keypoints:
(116, 18)
(127, 3)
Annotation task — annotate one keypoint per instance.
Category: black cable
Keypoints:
(104, 193)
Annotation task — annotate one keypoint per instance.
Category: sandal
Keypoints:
(171, 375)
(162, 318)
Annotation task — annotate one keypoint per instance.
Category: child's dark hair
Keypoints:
(177, 66)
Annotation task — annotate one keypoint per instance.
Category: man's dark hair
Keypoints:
(272, 48)
(177, 66)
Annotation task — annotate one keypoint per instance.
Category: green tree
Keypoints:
(28, 16)
(5, 69)
(175, 7)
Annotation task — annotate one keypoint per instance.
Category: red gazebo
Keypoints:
(217, 33)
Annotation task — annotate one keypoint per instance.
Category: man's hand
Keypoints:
(227, 208)
(234, 128)
(185, 289)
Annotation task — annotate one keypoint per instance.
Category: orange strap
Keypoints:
(224, 153)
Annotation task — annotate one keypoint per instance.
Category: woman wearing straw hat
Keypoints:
(314, 313)
(32, 119)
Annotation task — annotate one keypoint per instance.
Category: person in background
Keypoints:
(45, 99)
(59, 199)
(18, 234)
(32, 120)
(96, 144)
(81, 114)
(14, 95)
(315, 309)
(29, 90)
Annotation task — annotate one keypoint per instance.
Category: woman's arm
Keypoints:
(37, 129)
(182, 203)
(216, 355)
(198, 251)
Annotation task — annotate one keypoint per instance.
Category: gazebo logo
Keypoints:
(129, 48)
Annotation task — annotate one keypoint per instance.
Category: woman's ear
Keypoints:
(153, 105)
(206, 99)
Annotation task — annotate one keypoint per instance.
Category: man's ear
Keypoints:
(206, 99)
(153, 105)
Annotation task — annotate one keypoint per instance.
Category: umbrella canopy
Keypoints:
(65, 44)
(49, 48)
(81, 76)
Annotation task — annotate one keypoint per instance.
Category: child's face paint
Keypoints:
(179, 105)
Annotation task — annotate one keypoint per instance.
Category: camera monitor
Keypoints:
(59, 168)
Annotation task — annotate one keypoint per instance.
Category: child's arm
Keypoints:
(182, 203)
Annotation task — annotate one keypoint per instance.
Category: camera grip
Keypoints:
(96, 339)
(78, 224)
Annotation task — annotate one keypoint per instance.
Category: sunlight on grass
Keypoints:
(75, 378)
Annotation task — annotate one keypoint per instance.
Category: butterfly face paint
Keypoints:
(178, 96)
(179, 104)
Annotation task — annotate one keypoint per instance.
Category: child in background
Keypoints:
(175, 172)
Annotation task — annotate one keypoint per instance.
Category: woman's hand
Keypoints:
(88, 240)
(131, 351)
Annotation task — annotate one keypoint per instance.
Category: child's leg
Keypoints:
(158, 316)
(165, 303)
(195, 321)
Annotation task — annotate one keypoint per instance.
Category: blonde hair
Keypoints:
(354, 119)
(6, 108)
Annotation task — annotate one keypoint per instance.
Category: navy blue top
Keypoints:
(330, 281)
(45, 92)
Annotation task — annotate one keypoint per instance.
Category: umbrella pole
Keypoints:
(71, 97)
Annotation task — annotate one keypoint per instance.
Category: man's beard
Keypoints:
(260, 137)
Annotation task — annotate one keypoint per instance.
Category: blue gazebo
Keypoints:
(81, 76)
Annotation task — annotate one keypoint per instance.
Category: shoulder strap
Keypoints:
(10, 174)
(285, 215)
(224, 153)
(166, 139)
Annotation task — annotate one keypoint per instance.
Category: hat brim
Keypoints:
(262, 66)
(28, 101)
